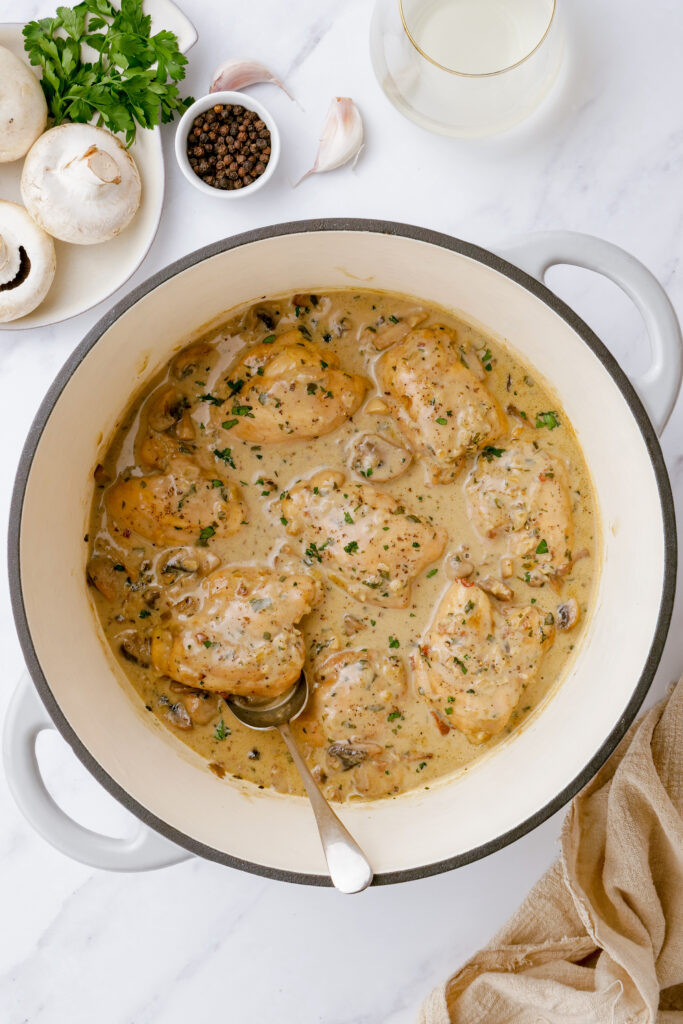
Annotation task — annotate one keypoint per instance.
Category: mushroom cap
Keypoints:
(23, 110)
(80, 184)
(27, 262)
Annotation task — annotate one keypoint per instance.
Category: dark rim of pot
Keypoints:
(474, 252)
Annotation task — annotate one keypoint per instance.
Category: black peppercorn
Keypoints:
(228, 146)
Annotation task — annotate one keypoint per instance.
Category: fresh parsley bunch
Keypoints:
(133, 80)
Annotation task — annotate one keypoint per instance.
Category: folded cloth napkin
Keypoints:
(599, 940)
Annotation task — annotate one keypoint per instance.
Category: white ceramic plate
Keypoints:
(87, 274)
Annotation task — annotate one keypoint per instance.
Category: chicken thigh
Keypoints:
(440, 406)
(476, 660)
(349, 722)
(364, 539)
(182, 506)
(288, 388)
(239, 634)
(523, 493)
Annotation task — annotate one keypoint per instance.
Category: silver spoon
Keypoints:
(348, 866)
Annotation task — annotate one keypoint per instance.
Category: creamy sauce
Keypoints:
(386, 732)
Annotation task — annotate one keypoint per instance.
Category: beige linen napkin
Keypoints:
(600, 937)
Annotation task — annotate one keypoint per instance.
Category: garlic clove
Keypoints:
(342, 137)
(235, 75)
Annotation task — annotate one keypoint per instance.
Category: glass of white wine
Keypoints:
(466, 67)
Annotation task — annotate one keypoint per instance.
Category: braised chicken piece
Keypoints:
(288, 388)
(522, 492)
(182, 506)
(442, 409)
(366, 541)
(476, 661)
(240, 634)
(349, 722)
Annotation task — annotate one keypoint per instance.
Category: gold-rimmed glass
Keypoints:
(466, 67)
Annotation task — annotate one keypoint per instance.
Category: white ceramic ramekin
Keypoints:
(183, 130)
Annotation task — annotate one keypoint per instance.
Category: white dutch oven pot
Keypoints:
(78, 688)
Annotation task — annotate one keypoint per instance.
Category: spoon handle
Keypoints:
(348, 866)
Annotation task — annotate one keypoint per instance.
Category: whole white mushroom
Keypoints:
(80, 184)
(23, 110)
(27, 262)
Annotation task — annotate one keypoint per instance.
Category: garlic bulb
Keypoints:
(80, 184)
(27, 262)
(238, 74)
(342, 137)
(23, 110)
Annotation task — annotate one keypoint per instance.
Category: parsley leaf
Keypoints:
(133, 80)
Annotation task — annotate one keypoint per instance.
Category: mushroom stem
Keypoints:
(101, 165)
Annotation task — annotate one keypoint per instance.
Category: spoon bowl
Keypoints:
(349, 868)
(270, 714)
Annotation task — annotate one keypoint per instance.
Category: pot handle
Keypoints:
(658, 387)
(143, 851)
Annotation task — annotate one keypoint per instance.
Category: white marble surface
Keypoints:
(200, 942)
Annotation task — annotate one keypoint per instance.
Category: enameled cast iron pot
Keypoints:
(79, 689)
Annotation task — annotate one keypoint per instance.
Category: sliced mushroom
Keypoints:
(27, 263)
(506, 567)
(165, 408)
(191, 360)
(201, 707)
(496, 587)
(458, 564)
(567, 614)
(136, 648)
(101, 573)
(352, 754)
(177, 714)
(80, 184)
(352, 625)
(373, 456)
(392, 329)
(23, 110)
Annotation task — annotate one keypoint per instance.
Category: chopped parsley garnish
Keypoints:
(119, 568)
(311, 388)
(348, 518)
(284, 520)
(221, 731)
(144, 614)
(394, 642)
(489, 452)
(392, 319)
(486, 360)
(242, 410)
(469, 607)
(315, 552)
(269, 340)
(393, 715)
(547, 419)
(542, 548)
(209, 643)
(432, 572)
(461, 665)
(205, 535)
(208, 397)
(229, 424)
(225, 454)
(351, 547)
(235, 386)
(441, 420)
